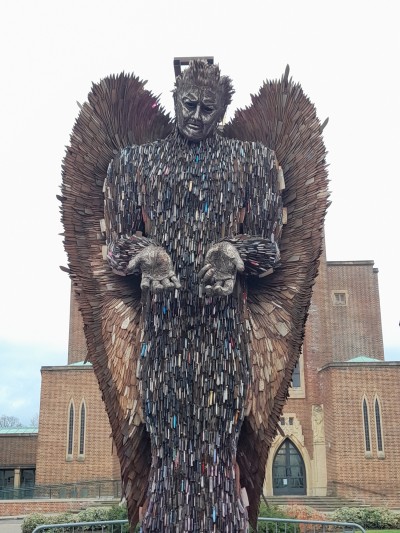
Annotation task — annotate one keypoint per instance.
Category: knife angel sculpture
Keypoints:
(193, 251)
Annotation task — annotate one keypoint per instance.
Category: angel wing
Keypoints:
(281, 117)
(119, 112)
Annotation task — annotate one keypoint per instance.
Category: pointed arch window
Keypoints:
(378, 428)
(367, 430)
(288, 471)
(82, 429)
(70, 432)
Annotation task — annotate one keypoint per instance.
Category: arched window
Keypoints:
(297, 390)
(367, 431)
(82, 429)
(296, 379)
(378, 427)
(70, 432)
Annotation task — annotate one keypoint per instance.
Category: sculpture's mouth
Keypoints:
(194, 126)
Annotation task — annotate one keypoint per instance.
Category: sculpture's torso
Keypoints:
(194, 357)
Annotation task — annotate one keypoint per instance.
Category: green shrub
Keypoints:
(118, 512)
(63, 518)
(37, 519)
(93, 514)
(32, 521)
(368, 517)
(273, 512)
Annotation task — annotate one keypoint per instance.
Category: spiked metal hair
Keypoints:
(200, 74)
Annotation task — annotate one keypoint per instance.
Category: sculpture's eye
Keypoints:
(190, 105)
(207, 109)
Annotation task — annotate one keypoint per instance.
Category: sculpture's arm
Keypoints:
(261, 217)
(259, 255)
(255, 252)
(128, 251)
(252, 255)
(221, 264)
(136, 254)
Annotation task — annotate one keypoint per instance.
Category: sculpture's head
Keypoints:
(201, 97)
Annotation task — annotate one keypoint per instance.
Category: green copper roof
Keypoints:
(19, 431)
(81, 363)
(364, 359)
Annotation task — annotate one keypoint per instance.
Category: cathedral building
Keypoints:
(338, 432)
(339, 428)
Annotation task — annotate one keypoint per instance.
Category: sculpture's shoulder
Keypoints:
(250, 150)
(258, 164)
(135, 156)
(139, 153)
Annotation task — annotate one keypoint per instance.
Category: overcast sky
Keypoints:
(345, 53)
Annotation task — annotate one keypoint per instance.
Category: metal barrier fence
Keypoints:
(269, 525)
(285, 525)
(105, 526)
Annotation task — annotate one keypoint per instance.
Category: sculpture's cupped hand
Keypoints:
(157, 270)
(218, 274)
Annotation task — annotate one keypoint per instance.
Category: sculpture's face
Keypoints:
(198, 111)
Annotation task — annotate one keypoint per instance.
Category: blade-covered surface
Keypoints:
(120, 112)
(281, 117)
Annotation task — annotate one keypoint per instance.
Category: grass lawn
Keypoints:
(383, 530)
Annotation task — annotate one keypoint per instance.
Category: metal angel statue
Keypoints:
(193, 288)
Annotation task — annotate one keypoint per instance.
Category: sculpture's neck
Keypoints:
(180, 139)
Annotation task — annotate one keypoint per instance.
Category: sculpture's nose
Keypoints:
(197, 112)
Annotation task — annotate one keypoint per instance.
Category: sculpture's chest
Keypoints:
(193, 196)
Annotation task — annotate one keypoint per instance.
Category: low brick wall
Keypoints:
(26, 507)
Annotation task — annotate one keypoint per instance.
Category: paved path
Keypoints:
(10, 525)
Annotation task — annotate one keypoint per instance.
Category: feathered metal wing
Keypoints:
(119, 112)
(281, 117)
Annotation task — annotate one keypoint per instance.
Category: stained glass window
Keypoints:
(71, 415)
(367, 436)
(378, 424)
(82, 429)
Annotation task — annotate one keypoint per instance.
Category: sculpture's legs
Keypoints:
(194, 427)
(200, 496)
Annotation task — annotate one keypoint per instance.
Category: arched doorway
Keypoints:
(288, 471)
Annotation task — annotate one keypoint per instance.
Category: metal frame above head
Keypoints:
(180, 62)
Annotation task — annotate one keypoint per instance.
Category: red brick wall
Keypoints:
(26, 507)
(18, 450)
(350, 472)
(59, 386)
(330, 429)
(77, 350)
(336, 333)
(356, 328)
(317, 346)
(316, 352)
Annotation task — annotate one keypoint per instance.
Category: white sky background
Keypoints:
(345, 53)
